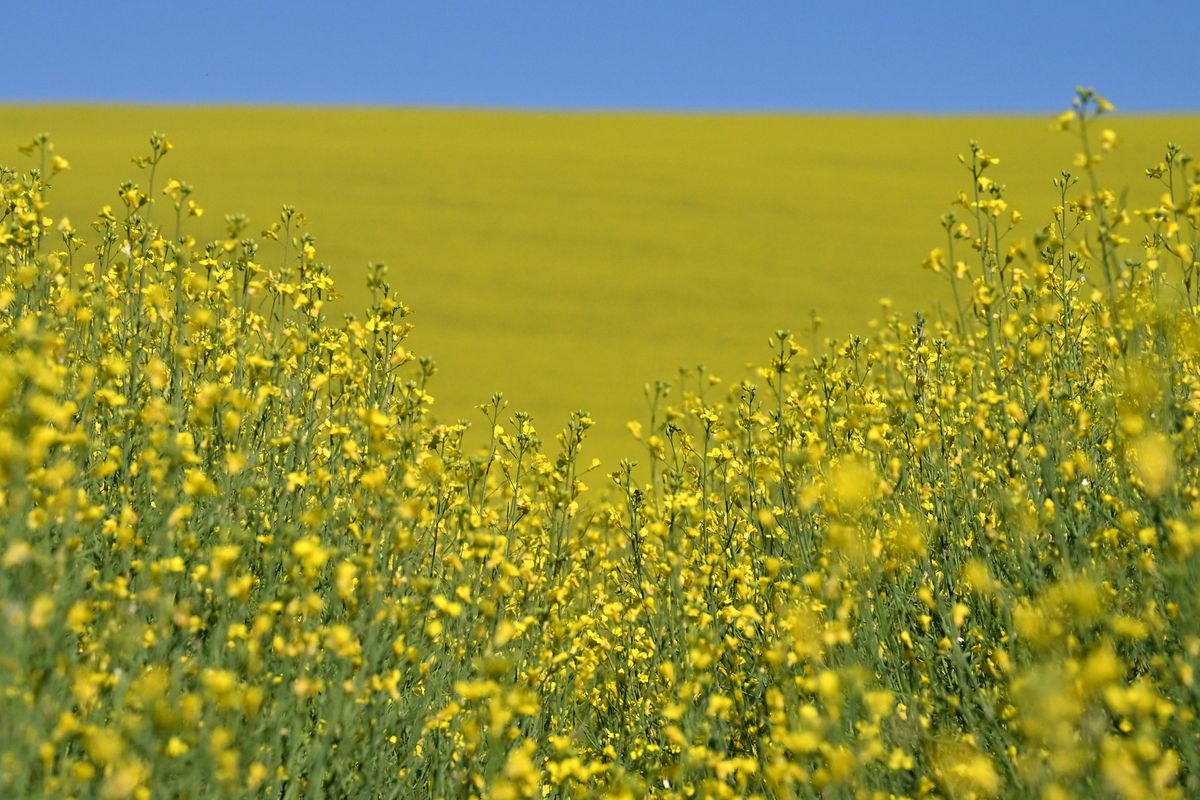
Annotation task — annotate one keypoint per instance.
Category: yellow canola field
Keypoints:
(568, 259)
(240, 555)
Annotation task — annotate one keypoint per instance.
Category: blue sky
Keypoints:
(673, 55)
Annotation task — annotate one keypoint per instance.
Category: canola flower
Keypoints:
(955, 557)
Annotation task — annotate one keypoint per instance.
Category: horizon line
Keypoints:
(580, 110)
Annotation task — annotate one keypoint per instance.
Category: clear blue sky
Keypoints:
(670, 54)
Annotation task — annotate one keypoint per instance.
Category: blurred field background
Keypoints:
(568, 258)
